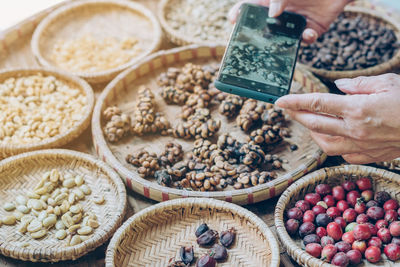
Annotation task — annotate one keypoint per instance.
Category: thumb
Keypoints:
(359, 85)
(276, 7)
(234, 11)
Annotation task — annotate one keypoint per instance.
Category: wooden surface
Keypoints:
(19, 55)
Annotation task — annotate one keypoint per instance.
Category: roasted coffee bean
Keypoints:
(201, 229)
(219, 252)
(227, 237)
(293, 147)
(186, 254)
(351, 43)
(207, 238)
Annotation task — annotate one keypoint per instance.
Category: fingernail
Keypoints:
(281, 103)
(342, 83)
(274, 10)
(310, 34)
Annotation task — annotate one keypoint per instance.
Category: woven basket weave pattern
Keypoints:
(153, 236)
(20, 174)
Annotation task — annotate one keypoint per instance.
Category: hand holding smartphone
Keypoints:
(260, 58)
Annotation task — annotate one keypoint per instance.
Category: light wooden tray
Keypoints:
(122, 91)
(100, 19)
(382, 180)
(382, 68)
(19, 174)
(62, 138)
(154, 235)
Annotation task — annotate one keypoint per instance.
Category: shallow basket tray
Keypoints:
(59, 139)
(100, 18)
(177, 37)
(382, 180)
(154, 235)
(381, 68)
(127, 83)
(19, 174)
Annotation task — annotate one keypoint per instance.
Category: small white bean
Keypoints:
(39, 234)
(9, 206)
(75, 240)
(69, 183)
(61, 234)
(21, 200)
(85, 189)
(9, 220)
(85, 230)
(60, 225)
(34, 226)
(79, 180)
(23, 209)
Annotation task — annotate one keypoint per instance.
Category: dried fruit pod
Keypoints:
(186, 254)
(266, 135)
(250, 114)
(173, 153)
(173, 263)
(218, 252)
(207, 238)
(230, 105)
(146, 162)
(117, 127)
(227, 237)
(201, 229)
(178, 171)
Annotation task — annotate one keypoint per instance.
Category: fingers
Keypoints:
(339, 145)
(310, 35)
(234, 11)
(367, 85)
(276, 7)
(365, 158)
(316, 102)
(319, 123)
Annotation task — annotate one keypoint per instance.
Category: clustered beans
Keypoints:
(230, 104)
(54, 203)
(351, 43)
(250, 114)
(203, 20)
(172, 154)
(146, 162)
(145, 119)
(118, 124)
(266, 135)
(206, 237)
(37, 107)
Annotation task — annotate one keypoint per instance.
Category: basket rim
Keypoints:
(69, 253)
(175, 36)
(374, 70)
(295, 251)
(104, 75)
(104, 152)
(62, 138)
(190, 202)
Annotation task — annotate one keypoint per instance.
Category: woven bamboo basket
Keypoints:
(175, 36)
(382, 180)
(8, 149)
(100, 19)
(19, 174)
(382, 68)
(154, 235)
(391, 165)
(305, 159)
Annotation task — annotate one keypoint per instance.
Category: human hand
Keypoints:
(363, 126)
(319, 13)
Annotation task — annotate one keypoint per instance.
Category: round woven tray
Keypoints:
(391, 165)
(100, 19)
(154, 235)
(178, 37)
(375, 70)
(382, 180)
(301, 161)
(60, 139)
(19, 174)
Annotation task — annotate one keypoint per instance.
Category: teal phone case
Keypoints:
(245, 92)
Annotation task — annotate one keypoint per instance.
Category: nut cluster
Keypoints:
(146, 162)
(351, 43)
(205, 19)
(250, 114)
(118, 124)
(89, 54)
(54, 203)
(37, 107)
(172, 154)
(198, 125)
(266, 135)
(145, 118)
(254, 178)
(230, 104)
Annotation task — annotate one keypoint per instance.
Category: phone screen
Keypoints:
(262, 51)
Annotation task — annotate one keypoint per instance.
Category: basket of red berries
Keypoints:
(342, 216)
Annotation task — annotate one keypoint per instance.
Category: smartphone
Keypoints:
(261, 55)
